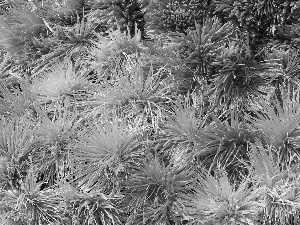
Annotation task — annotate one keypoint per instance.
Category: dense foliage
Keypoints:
(149, 112)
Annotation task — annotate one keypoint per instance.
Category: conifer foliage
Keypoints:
(145, 112)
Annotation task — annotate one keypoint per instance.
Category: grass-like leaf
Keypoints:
(279, 125)
(280, 193)
(137, 92)
(16, 103)
(61, 79)
(55, 132)
(16, 146)
(105, 152)
(155, 189)
(89, 208)
(204, 43)
(240, 79)
(29, 205)
(226, 145)
(215, 200)
(19, 26)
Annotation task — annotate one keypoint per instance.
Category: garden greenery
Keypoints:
(147, 112)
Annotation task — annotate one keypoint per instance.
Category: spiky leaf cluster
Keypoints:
(122, 14)
(203, 44)
(258, 16)
(174, 15)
